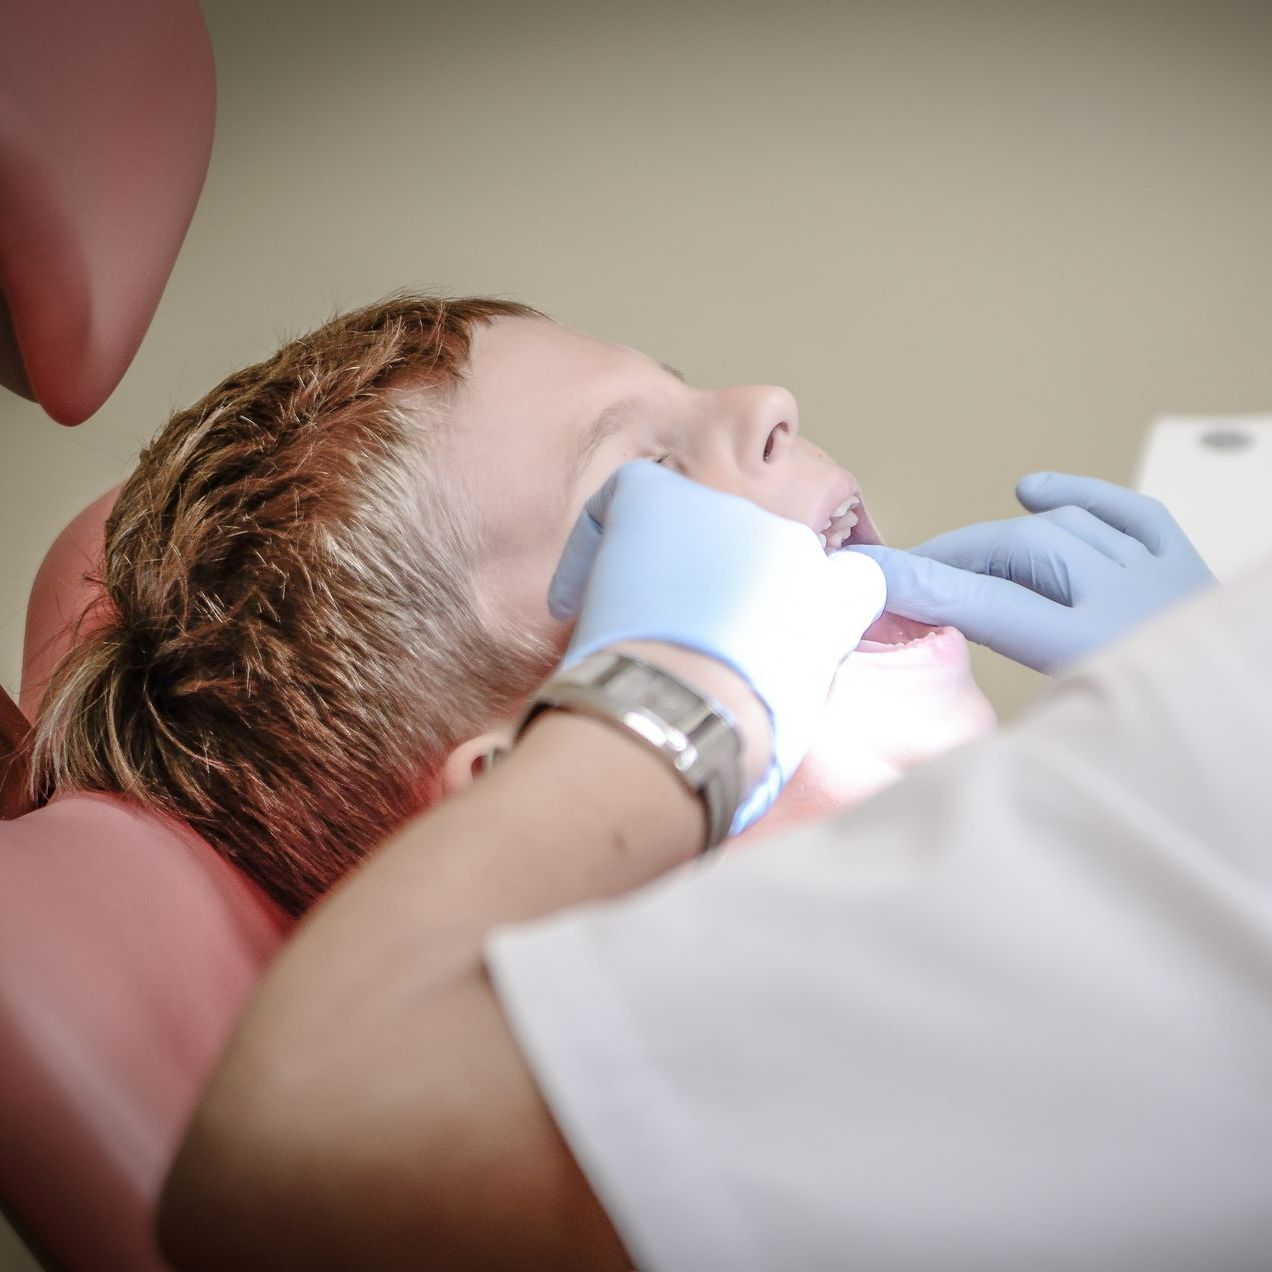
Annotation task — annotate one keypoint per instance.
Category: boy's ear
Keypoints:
(468, 761)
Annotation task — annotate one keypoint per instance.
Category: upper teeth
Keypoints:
(842, 510)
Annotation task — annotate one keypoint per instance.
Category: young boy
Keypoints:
(327, 582)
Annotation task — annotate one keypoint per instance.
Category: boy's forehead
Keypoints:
(516, 422)
(529, 387)
(519, 355)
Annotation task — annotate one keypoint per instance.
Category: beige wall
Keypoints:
(14, 1256)
(973, 238)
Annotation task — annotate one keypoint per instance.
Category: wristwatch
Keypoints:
(695, 735)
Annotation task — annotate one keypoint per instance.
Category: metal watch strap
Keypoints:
(695, 735)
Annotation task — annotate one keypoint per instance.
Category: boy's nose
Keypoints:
(763, 421)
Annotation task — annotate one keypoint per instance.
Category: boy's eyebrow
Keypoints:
(598, 430)
(601, 428)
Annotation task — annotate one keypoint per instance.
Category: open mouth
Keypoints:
(839, 526)
(848, 522)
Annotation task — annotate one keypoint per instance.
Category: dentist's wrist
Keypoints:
(720, 683)
(702, 720)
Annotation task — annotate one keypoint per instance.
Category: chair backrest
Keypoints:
(127, 946)
(14, 731)
(61, 596)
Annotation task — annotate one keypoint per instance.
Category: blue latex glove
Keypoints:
(656, 556)
(1094, 561)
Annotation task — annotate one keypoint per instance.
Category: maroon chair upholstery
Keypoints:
(106, 115)
(58, 600)
(14, 799)
(60, 596)
(127, 946)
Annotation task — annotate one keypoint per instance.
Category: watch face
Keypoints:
(684, 727)
(660, 695)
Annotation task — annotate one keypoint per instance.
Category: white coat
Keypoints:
(1013, 1013)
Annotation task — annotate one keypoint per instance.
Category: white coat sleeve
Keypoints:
(1013, 1013)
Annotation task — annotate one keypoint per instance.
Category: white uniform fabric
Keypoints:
(1013, 1013)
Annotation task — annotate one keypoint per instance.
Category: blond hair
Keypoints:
(292, 643)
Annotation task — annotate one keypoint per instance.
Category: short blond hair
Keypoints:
(292, 642)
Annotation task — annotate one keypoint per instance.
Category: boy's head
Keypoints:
(292, 643)
(327, 579)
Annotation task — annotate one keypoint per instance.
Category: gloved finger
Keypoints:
(1029, 551)
(991, 611)
(1086, 526)
(859, 579)
(565, 592)
(1140, 516)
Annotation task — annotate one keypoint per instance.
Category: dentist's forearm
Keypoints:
(296, 1160)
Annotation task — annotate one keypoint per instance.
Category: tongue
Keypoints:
(892, 629)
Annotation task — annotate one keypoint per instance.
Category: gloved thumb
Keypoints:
(907, 577)
(862, 589)
(565, 592)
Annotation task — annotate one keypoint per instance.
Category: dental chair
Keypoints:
(127, 945)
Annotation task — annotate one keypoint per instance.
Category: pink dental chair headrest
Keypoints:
(106, 114)
(127, 948)
(61, 595)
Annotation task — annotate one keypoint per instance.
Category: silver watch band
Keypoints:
(695, 735)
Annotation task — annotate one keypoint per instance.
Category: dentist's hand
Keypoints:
(1094, 561)
(658, 557)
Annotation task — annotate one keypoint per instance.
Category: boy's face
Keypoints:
(547, 414)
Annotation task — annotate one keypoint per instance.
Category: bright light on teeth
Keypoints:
(840, 524)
